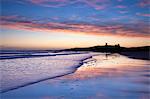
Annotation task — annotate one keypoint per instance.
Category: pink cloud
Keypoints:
(96, 4)
(8, 17)
(144, 3)
(123, 12)
(51, 3)
(120, 0)
(18, 23)
(142, 14)
(121, 6)
(119, 18)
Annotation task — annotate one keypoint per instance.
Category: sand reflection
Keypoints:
(111, 66)
(110, 76)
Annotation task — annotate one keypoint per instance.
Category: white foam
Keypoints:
(23, 71)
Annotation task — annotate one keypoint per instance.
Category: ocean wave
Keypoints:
(21, 72)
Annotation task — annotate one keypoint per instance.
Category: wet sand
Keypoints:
(145, 55)
(102, 77)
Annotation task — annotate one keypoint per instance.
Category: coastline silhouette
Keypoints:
(142, 52)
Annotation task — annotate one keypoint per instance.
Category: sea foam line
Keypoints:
(70, 69)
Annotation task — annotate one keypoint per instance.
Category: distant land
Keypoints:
(142, 52)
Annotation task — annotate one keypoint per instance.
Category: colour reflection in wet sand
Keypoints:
(109, 77)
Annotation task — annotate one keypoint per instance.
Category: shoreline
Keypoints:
(144, 55)
(30, 83)
(109, 76)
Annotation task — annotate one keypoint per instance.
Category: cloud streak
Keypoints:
(51, 3)
(144, 3)
(96, 4)
(121, 6)
(143, 14)
(132, 30)
(123, 12)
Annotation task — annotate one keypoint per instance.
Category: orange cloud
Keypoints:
(133, 30)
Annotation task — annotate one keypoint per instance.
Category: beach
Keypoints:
(75, 49)
(87, 76)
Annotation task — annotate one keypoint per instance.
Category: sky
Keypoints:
(59, 24)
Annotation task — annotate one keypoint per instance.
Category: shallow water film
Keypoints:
(104, 76)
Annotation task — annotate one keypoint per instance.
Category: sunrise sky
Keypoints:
(58, 24)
